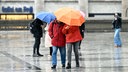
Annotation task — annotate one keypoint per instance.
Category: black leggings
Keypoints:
(36, 45)
(50, 50)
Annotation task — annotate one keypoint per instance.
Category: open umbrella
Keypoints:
(69, 16)
(82, 13)
(46, 16)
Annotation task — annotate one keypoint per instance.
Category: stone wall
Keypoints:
(91, 25)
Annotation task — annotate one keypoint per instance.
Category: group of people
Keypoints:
(65, 37)
(62, 37)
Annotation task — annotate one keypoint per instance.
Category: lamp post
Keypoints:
(83, 4)
(39, 6)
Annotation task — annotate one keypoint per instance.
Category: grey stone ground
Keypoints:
(97, 54)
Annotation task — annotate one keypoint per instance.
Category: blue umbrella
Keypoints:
(46, 16)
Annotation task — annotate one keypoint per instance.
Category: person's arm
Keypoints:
(50, 30)
(83, 27)
(43, 26)
(65, 29)
(113, 24)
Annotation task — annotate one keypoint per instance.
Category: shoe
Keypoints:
(53, 67)
(63, 66)
(68, 66)
(78, 65)
(40, 55)
(119, 46)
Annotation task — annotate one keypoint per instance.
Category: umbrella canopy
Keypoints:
(82, 13)
(69, 16)
(46, 16)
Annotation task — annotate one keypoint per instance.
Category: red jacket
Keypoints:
(72, 34)
(55, 32)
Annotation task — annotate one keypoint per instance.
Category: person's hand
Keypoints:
(43, 26)
(82, 30)
(67, 27)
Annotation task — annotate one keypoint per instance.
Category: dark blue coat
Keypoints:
(117, 23)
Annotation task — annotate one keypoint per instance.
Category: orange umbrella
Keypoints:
(69, 16)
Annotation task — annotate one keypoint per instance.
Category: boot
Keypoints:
(63, 65)
(53, 67)
(68, 66)
(39, 53)
(35, 53)
(77, 64)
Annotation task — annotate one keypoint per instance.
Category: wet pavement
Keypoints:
(97, 54)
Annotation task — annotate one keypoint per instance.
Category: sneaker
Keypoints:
(53, 67)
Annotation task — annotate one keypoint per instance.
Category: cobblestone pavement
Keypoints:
(97, 54)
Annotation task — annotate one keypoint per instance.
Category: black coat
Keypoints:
(38, 32)
(117, 23)
(82, 29)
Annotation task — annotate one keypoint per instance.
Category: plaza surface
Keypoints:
(97, 54)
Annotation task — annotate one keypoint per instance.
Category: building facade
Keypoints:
(94, 9)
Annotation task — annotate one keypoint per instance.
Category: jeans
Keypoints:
(62, 54)
(75, 46)
(117, 40)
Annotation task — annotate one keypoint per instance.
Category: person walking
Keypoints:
(37, 33)
(48, 40)
(73, 38)
(117, 24)
(58, 42)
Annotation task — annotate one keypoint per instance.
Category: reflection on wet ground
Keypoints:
(97, 54)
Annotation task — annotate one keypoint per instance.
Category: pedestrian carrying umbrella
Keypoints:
(69, 16)
(46, 16)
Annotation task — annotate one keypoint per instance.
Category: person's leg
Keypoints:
(63, 55)
(38, 46)
(54, 57)
(117, 39)
(50, 51)
(69, 55)
(80, 44)
(35, 47)
(75, 47)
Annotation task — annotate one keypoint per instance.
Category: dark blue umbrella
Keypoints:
(46, 16)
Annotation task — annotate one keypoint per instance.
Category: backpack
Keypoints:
(31, 26)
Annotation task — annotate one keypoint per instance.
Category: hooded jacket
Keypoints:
(55, 32)
(72, 34)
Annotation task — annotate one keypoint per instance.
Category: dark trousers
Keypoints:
(50, 50)
(36, 45)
